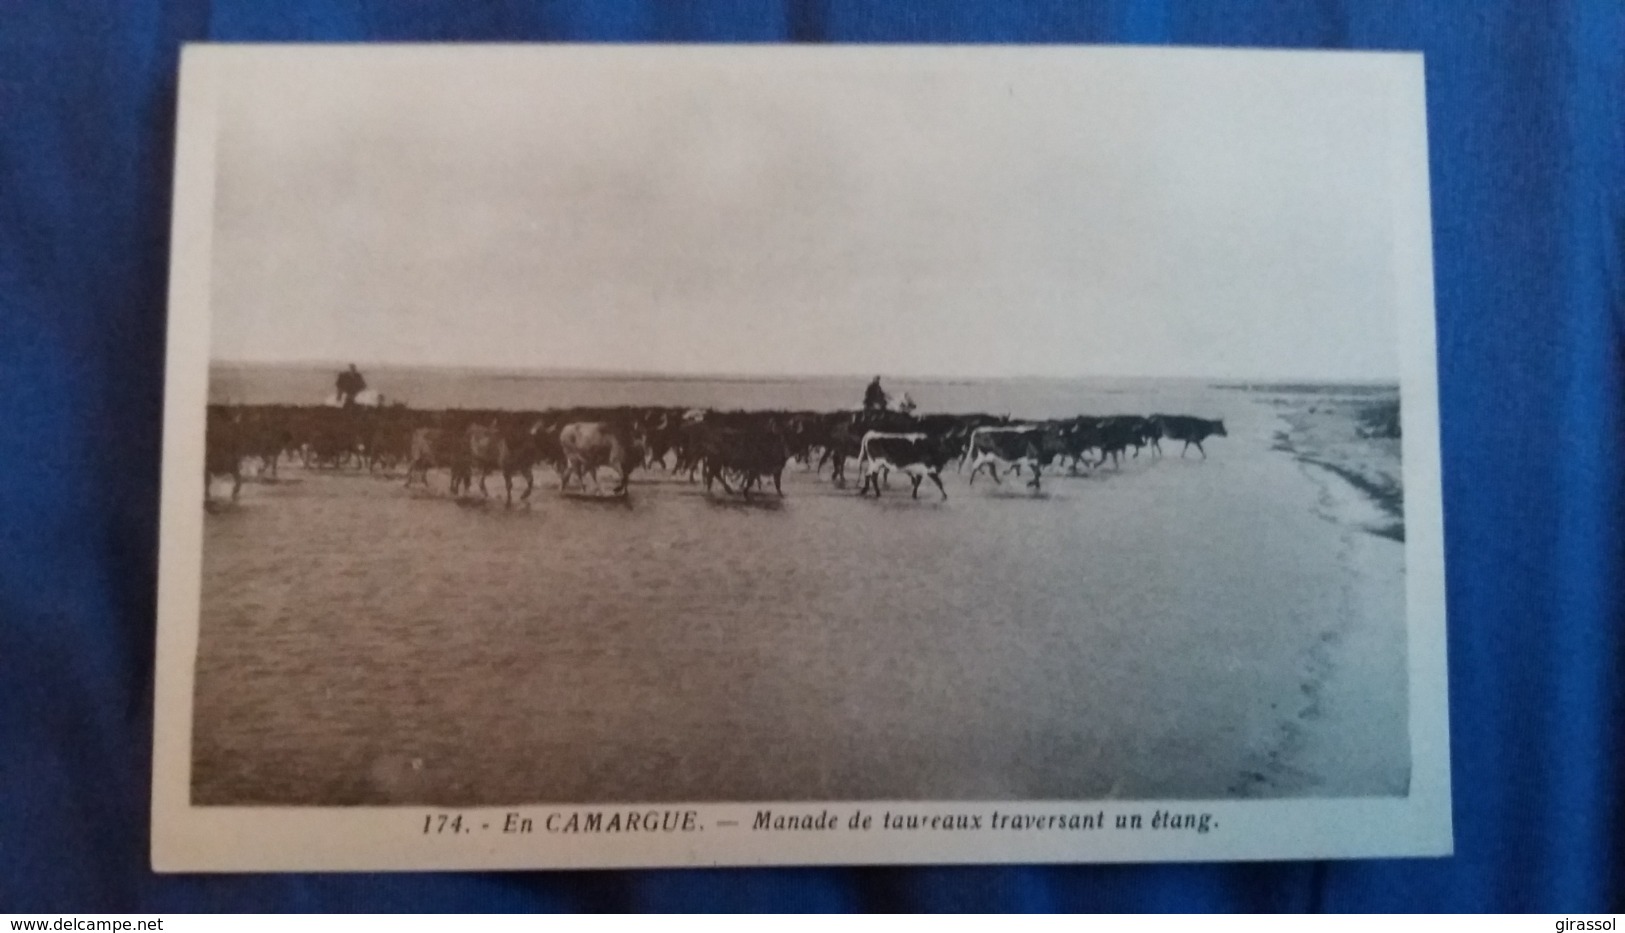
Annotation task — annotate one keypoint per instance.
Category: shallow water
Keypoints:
(1148, 632)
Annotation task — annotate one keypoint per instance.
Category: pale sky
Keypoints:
(803, 211)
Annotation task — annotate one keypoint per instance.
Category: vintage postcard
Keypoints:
(658, 456)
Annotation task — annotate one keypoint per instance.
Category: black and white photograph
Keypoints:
(754, 437)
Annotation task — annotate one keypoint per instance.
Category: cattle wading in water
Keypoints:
(1190, 430)
(1010, 447)
(1116, 434)
(740, 449)
(745, 456)
(223, 449)
(439, 447)
(588, 445)
(261, 437)
(487, 453)
(917, 455)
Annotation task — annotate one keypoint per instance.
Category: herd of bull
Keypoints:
(740, 450)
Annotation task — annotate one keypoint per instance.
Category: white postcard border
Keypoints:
(197, 838)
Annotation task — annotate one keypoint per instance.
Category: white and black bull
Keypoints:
(1010, 447)
(916, 455)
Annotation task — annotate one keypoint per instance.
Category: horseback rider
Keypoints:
(874, 397)
(350, 384)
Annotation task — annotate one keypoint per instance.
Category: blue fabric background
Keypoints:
(1528, 169)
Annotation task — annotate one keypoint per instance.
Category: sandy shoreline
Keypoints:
(1356, 437)
(1332, 734)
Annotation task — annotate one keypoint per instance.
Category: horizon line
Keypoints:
(594, 373)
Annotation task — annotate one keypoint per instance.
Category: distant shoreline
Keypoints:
(1357, 441)
(1310, 388)
(606, 375)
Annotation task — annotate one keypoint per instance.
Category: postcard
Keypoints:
(594, 456)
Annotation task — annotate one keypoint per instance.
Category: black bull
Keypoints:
(746, 456)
